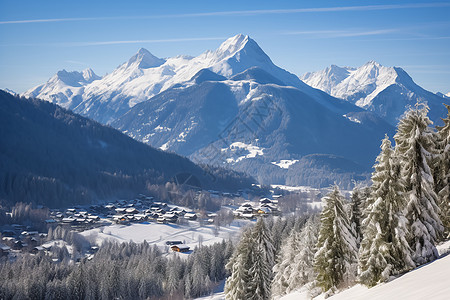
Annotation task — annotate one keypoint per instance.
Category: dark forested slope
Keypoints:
(51, 156)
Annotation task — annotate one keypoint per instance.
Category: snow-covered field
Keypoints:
(154, 233)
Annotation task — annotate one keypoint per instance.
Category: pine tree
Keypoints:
(251, 265)
(384, 248)
(281, 283)
(236, 285)
(355, 214)
(415, 149)
(262, 261)
(336, 254)
(295, 266)
(442, 174)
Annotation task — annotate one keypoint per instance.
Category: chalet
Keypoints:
(8, 233)
(68, 220)
(37, 249)
(190, 216)
(110, 206)
(95, 218)
(180, 248)
(170, 217)
(265, 201)
(131, 210)
(19, 245)
(120, 210)
(161, 220)
(29, 233)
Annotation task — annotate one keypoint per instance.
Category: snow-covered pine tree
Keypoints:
(336, 253)
(443, 172)
(414, 149)
(384, 248)
(262, 262)
(303, 264)
(355, 214)
(236, 285)
(295, 266)
(283, 268)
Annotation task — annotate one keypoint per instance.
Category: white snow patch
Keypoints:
(237, 147)
(353, 119)
(164, 147)
(285, 163)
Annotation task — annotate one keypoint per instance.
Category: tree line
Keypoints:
(385, 230)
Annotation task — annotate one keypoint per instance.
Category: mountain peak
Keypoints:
(372, 63)
(232, 45)
(145, 60)
(89, 75)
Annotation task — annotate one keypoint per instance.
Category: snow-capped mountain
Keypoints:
(254, 119)
(387, 91)
(64, 88)
(235, 107)
(144, 76)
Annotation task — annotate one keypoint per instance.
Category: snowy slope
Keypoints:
(427, 282)
(64, 88)
(386, 91)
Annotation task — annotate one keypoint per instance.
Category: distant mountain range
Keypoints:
(51, 156)
(234, 107)
(383, 90)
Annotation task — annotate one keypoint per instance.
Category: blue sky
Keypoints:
(38, 38)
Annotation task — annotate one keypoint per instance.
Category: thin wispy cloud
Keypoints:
(246, 12)
(341, 33)
(104, 43)
(101, 43)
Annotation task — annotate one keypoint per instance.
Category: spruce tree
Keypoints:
(355, 214)
(415, 150)
(262, 262)
(442, 174)
(283, 269)
(384, 248)
(236, 285)
(336, 245)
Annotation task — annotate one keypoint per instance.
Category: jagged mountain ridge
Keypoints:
(65, 88)
(386, 91)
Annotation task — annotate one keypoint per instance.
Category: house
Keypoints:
(37, 249)
(4, 250)
(170, 217)
(190, 216)
(180, 248)
(19, 245)
(265, 201)
(161, 220)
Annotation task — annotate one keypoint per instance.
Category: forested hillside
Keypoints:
(51, 156)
